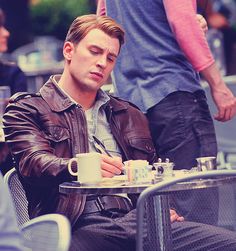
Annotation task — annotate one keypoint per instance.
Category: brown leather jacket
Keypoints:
(45, 130)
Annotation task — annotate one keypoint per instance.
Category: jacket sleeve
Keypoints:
(31, 150)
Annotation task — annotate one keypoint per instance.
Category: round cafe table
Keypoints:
(119, 184)
(158, 207)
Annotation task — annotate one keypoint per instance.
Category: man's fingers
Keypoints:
(203, 23)
(107, 174)
(175, 217)
(225, 115)
(226, 105)
(115, 161)
(111, 166)
(228, 114)
(180, 218)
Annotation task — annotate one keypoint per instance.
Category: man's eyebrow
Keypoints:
(101, 49)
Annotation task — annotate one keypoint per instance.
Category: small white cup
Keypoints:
(206, 163)
(88, 168)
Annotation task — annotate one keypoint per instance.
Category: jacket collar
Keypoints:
(58, 101)
(117, 104)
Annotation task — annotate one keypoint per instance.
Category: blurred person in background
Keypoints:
(12, 76)
(10, 237)
(18, 22)
(221, 15)
(158, 70)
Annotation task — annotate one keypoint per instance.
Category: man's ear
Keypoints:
(68, 49)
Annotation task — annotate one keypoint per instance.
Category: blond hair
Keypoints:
(81, 26)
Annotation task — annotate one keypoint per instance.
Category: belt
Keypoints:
(105, 203)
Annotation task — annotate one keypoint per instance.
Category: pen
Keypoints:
(100, 146)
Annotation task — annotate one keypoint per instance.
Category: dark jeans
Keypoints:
(102, 232)
(182, 130)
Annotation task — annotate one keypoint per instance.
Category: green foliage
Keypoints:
(53, 17)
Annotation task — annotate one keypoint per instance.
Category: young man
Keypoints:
(46, 129)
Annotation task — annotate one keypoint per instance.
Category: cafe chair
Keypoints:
(50, 232)
(18, 196)
(39, 60)
(153, 217)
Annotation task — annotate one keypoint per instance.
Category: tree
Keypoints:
(53, 17)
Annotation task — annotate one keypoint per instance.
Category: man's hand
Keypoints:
(225, 102)
(175, 217)
(111, 166)
(223, 97)
(202, 22)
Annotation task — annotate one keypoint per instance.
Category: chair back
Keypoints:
(18, 196)
(150, 222)
(50, 232)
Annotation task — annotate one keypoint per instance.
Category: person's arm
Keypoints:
(30, 146)
(193, 43)
(202, 22)
(222, 95)
(190, 36)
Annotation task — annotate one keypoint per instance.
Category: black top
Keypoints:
(11, 75)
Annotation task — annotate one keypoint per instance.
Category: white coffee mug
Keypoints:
(88, 168)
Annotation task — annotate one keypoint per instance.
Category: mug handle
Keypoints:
(70, 169)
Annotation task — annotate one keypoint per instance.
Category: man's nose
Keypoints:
(102, 61)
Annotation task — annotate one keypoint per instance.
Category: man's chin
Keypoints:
(92, 87)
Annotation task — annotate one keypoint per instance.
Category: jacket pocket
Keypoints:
(57, 134)
(59, 139)
(141, 148)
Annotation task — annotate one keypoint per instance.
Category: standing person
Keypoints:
(158, 71)
(10, 237)
(45, 130)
